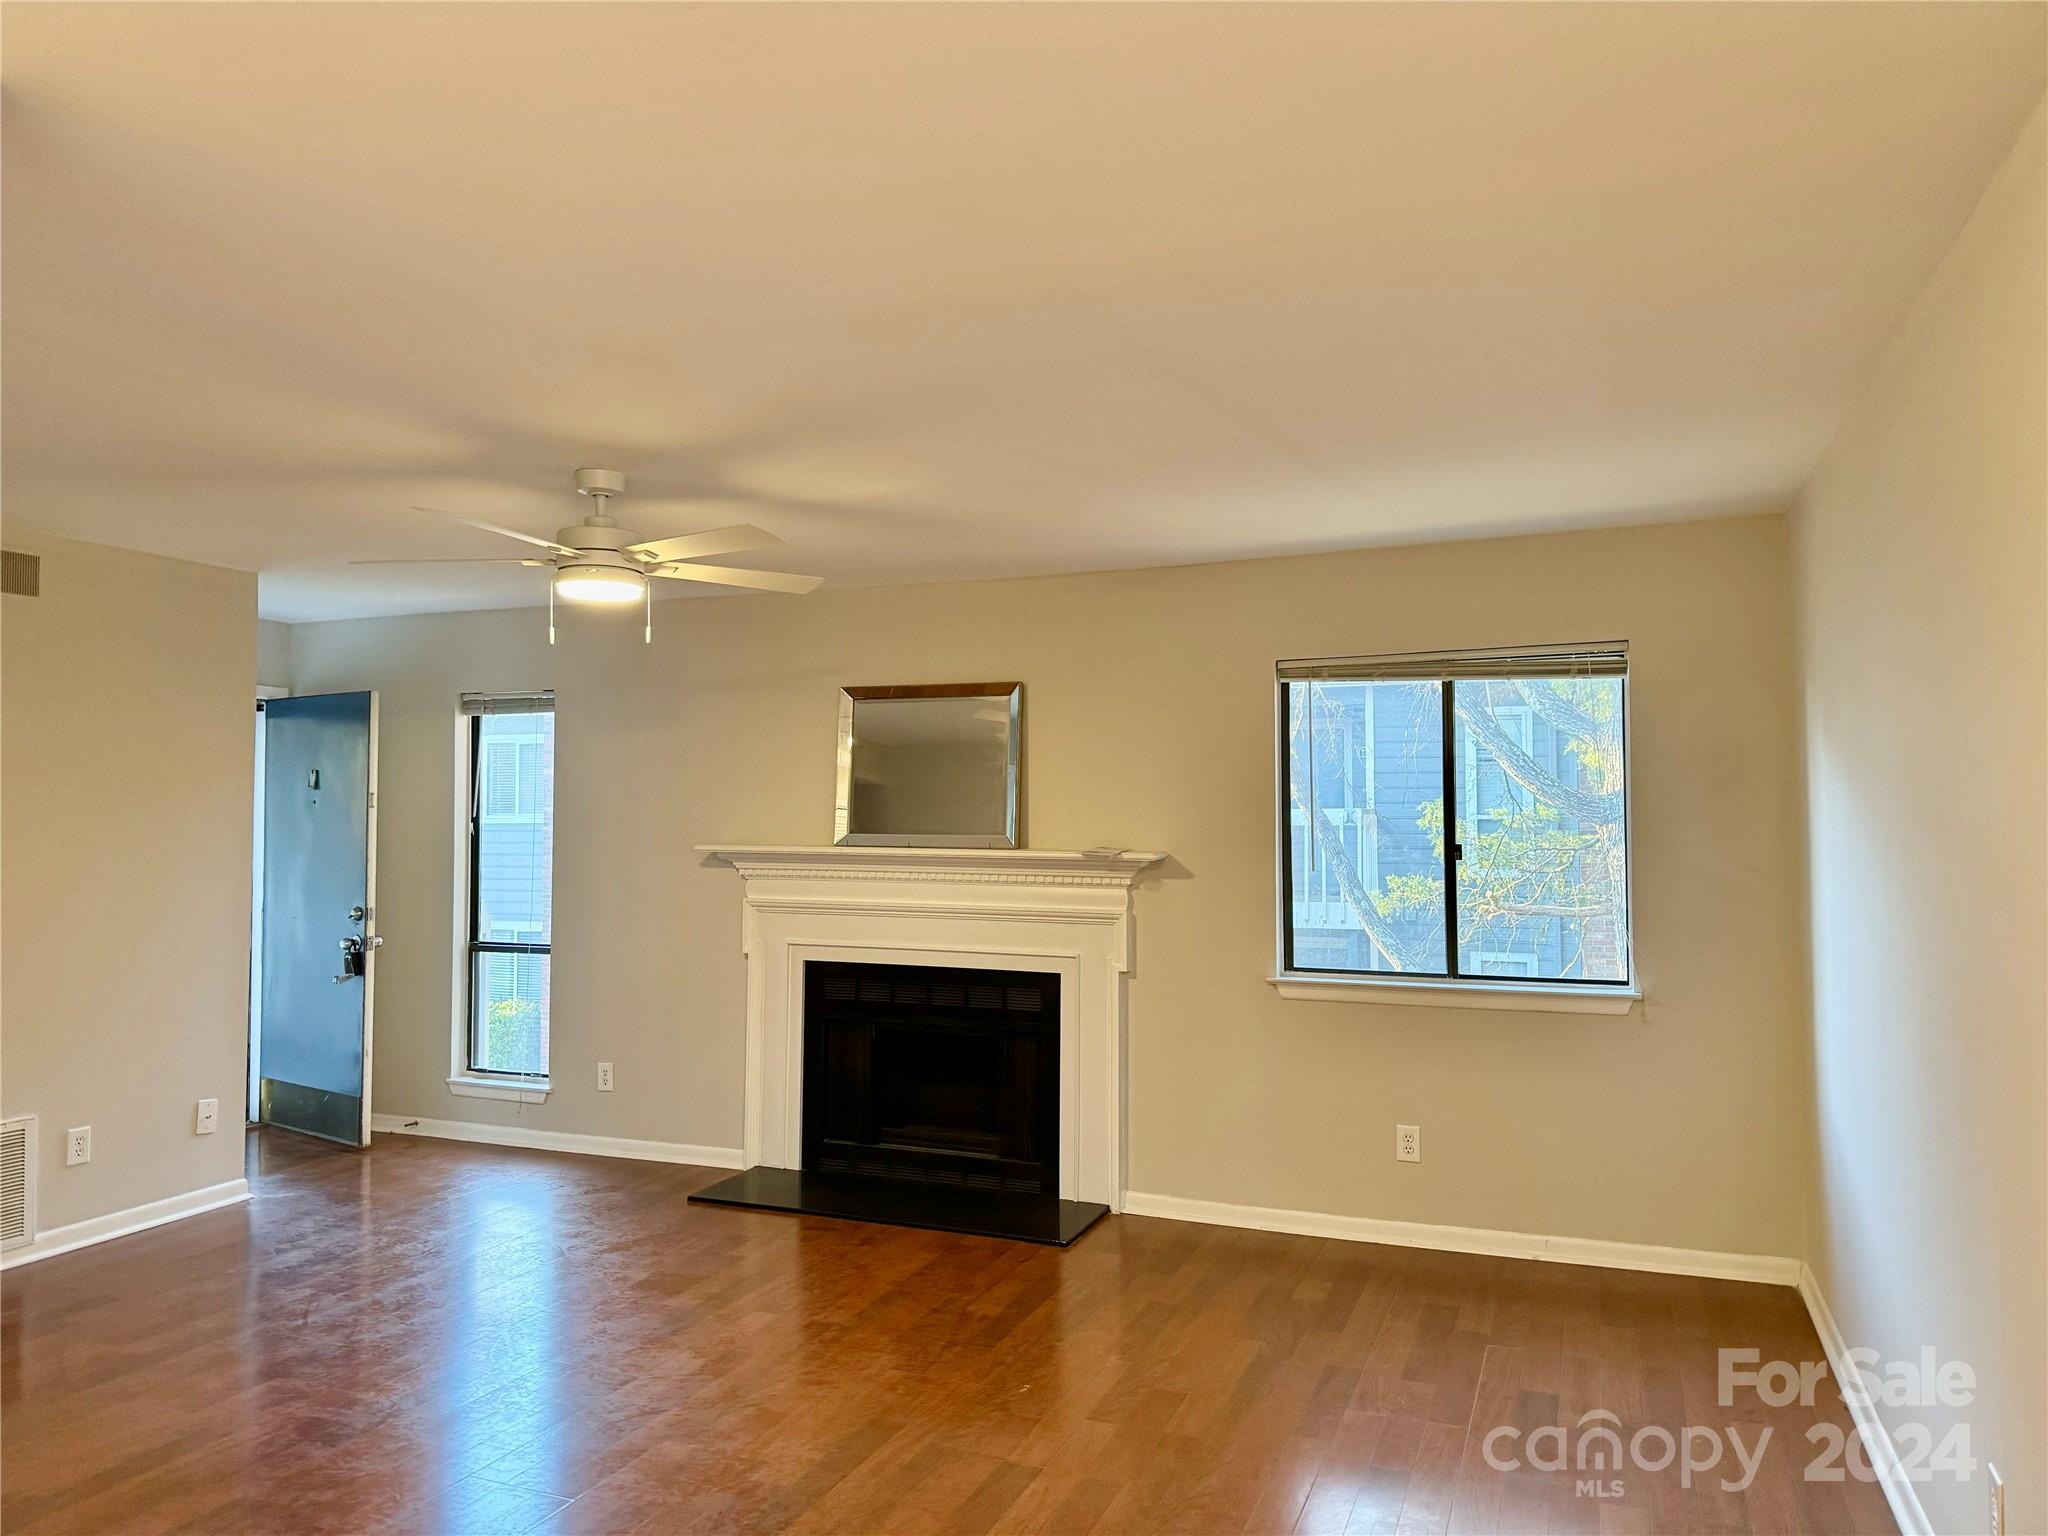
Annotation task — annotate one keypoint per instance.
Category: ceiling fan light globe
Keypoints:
(600, 586)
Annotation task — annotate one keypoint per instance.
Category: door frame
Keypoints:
(371, 940)
(264, 694)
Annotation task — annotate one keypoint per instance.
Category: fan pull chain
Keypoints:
(551, 609)
(647, 583)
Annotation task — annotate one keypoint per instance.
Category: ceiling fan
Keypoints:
(597, 561)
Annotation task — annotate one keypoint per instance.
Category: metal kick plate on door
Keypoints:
(315, 1111)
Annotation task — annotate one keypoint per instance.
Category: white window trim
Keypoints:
(518, 1090)
(1513, 996)
(462, 1082)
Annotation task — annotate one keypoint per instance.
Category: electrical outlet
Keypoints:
(207, 1121)
(1407, 1143)
(604, 1077)
(1997, 1527)
(77, 1146)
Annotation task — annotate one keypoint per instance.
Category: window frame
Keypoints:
(466, 1068)
(1451, 986)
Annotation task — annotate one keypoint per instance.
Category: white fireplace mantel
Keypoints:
(1067, 911)
(1037, 866)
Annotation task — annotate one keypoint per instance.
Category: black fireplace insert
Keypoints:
(930, 1098)
(934, 1073)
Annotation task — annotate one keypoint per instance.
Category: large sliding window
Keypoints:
(1457, 817)
(511, 880)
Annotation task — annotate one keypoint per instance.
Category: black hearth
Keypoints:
(931, 1098)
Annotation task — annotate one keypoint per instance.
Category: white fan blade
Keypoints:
(510, 533)
(712, 541)
(470, 560)
(726, 576)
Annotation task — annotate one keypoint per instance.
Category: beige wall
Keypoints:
(1149, 723)
(1922, 546)
(126, 718)
(273, 654)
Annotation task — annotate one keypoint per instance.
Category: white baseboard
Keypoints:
(1877, 1440)
(137, 1218)
(559, 1141)
(1761, 1268)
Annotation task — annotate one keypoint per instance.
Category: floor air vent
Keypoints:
(17, 1181)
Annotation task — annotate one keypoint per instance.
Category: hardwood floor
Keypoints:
(443, 1338)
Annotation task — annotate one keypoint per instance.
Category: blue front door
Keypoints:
(319, 914)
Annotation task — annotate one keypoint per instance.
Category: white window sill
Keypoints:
(523, 1090)
(1456, 994)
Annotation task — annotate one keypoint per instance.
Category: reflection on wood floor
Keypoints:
(445, 1338)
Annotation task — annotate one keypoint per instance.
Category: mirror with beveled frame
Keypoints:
(929, 765)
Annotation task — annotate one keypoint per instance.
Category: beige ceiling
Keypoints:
(940, 292)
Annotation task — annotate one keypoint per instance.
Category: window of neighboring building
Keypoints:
(1457, 817)
(514, 782)
(511, 881)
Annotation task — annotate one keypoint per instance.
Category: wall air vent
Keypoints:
(20, 575)
(17, 1181)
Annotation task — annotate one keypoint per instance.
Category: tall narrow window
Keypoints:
(1458, 816)
(511, 880)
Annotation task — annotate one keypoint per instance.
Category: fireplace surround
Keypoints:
(1058, 914)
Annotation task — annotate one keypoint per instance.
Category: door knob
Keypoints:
(351, 959)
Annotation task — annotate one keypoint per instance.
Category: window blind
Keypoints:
(1604, 659)
(541, 703)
